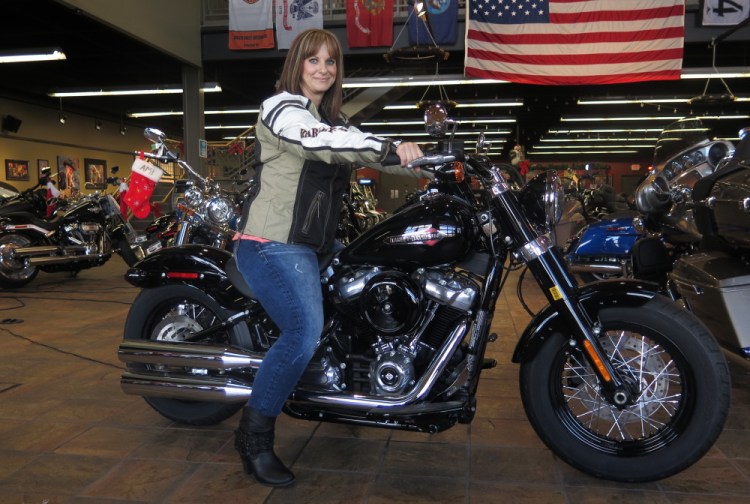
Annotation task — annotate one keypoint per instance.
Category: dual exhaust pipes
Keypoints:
(187, 387)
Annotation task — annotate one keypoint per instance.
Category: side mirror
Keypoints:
(154, 135)
(436, 120)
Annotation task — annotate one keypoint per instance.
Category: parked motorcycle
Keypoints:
(617, 380)
(205, 214)
(644, 244)
(714, 283)
(83, 235)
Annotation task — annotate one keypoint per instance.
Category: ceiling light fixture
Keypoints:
(206, 112)
(60, 115)
(491, 104)
(209, 87)
(618, 119)
(28, 55)
(98, 125)
(421, 123)
(445, 80)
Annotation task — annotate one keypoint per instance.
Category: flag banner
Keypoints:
(561, 42)
(442, 21)
(725, 12)
(250, 24)
(369, 23)
(294, 17)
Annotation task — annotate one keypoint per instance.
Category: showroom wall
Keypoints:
(41, 137)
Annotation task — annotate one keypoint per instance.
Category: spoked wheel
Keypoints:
(171, 313)
(13, 271)
(681, 402)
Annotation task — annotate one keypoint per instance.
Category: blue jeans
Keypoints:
(286, 280)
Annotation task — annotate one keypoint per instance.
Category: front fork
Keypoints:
(546, 263)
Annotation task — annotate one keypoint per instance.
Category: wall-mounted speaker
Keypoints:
(11, 124)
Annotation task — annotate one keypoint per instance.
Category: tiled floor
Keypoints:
(69, 435)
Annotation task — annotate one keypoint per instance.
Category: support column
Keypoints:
(193, 124)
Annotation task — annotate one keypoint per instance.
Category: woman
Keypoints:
(304, 150)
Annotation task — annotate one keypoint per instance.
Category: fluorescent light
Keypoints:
(617, 119)
(543, 153)
(628, 146)
(631, 101)
(444, 80)
(719, 73)
(211, 87)
(421, 123)
(611, 139)
(615, 130)
(27, 55)
(231, 126)
(415, 106)
(206, 112)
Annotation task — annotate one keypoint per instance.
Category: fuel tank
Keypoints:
(438, 229)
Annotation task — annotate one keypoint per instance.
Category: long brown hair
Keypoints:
(303, 46)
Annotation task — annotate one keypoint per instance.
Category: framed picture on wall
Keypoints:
(67, 173)
(95, 172)
(16, 170)
(40, 164)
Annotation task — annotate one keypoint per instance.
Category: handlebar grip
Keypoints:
(432, 160)
(391, 159)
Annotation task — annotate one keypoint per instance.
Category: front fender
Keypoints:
(593, 297)
(198, 265)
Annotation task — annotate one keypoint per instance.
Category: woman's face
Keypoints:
(318, 75)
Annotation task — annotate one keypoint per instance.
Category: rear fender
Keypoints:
(198, 265)
(593, 297)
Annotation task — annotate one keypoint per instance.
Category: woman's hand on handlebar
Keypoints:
(408, 152)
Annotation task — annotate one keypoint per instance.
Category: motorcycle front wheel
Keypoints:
(682, 386)
(13, 272)
(169, 313)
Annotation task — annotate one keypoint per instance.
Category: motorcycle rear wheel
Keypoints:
(167, 313)
(13, 273)
(679, 411)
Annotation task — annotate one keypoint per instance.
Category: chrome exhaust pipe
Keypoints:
(187, 388)
(186, 355)
(42, 261)
(610, 269)
(45, 250)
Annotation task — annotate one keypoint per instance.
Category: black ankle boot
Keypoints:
(254, 441)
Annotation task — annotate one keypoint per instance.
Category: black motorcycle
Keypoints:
(617, 380)
(83, 235)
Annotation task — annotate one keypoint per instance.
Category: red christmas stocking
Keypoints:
(143, 179)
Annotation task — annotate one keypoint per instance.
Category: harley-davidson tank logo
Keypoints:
(428, 237)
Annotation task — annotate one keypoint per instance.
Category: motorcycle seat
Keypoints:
(236, 277)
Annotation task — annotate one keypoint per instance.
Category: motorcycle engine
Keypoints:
(84, 233)
(406, 317)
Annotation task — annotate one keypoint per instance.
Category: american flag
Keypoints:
(561, 42)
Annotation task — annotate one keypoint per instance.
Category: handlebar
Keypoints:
(433, 160)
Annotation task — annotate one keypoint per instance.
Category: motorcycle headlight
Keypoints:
(219, 210)
(554, 195)
(542, 199)
(193, 197)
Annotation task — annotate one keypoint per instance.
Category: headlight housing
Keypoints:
(554, 195)
(542, 199)
(193, 197)
(219, 210)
